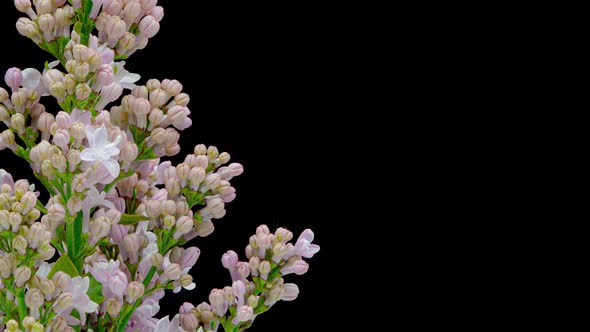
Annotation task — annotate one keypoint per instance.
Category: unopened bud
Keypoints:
(113, 307)
(19, 243)
(173, 271)
(135, 290)
(34, 299)
(155, 260)
(5, 267)
(29, 321)
(21, 276)
(83, 91)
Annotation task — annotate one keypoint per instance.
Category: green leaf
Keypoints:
(95, 290)
(21, 152)
(128, 219)
(64, 264)
(78, 27)
(62, 41)
(147, 154)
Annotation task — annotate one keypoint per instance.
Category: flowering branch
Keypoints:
(119, 219)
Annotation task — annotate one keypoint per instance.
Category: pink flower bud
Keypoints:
(189, 257)
(113, 307)
(172, 272)
(22, 5)
(156, 118)
(173, 87)
(82, 91)
(184, 225)
(196, 177)
(74, 205)
(189, 322)
(104, 76)
(116, 28)
(205, 228)
(61, 280)
(22, 274)
(149, 26)
(19, 244)
(202, 161)
(62, 302)
(129, 152)
(14, 78)
(46, 23)
(217, 300)
(229, 260)
(290, 292)
(299, 267)
(177, 116)
(141, 108)
(112, 7)
(44, 7)
(135, 290)
(158, 98)
(132, 243)
(244, 314)
(148, 5)
(131, 11)
(5, 267)
(243, 270)
(74, 159)
(157, 13)
(63, 120)
(34, 299)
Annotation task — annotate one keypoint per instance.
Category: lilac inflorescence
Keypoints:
(119, 226)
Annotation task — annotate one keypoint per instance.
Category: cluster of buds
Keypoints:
(47, 19)
(118, 220)
(21, 110)
(257, 284)
(126, 25)
(25, 238)
(154, 113)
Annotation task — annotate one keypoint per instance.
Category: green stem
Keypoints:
(74, 242)
(87, 23)
(149, 276)
(22, 309)
(127, 316)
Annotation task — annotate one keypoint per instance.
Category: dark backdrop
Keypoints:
(446, 205)
(351, 40)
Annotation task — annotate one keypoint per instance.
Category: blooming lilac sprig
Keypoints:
(257, 284)
(118, 221)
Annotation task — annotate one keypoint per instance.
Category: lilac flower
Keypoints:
(165, 325)
(84, 117)
(142, 319)
(93, 199)
(304, 247)
(78, 288)
(244, 314)
(102, 151)
(114, 280)
(6, 178)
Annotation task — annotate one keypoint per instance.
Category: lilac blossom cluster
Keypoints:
(118, 228)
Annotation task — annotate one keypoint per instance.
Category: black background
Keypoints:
(438, 205)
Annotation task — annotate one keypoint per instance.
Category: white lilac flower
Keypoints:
(123, 80)
(123, 77)
(102, 151)
(166, 325)
(78, 288)
(93, 199)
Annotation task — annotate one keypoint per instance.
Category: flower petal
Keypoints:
(112, 167)
(31, 78)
